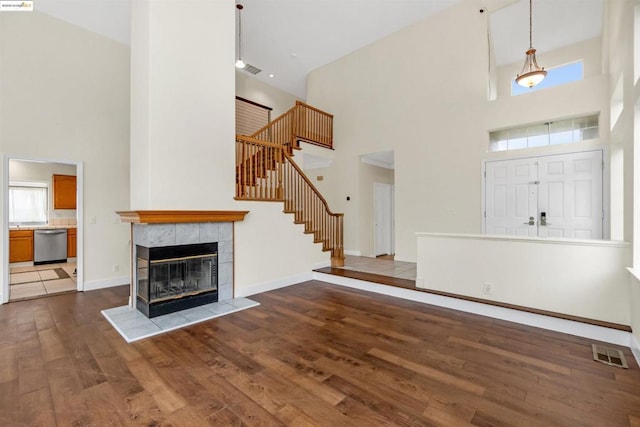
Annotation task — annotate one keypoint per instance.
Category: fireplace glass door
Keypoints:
(165, 276)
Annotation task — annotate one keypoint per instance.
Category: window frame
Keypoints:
(517, 90)
(28, 184)
(522, 134)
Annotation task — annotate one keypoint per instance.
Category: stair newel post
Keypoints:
(292, 130)
(298, 128)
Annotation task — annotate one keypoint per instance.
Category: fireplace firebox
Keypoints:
(174, 278)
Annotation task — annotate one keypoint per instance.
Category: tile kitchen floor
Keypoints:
(40, 280)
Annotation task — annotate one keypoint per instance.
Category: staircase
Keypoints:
(266, 171)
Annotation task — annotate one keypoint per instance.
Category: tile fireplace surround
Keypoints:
(168, 228)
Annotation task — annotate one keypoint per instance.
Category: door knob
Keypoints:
(532, 221)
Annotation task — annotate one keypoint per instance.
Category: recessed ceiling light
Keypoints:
(271, 76)
(294, 55)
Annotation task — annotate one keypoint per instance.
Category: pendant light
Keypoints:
(531, 73)
(239, 62)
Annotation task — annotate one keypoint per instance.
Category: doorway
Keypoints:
(383, 219)
(558, 196)
(43, 205)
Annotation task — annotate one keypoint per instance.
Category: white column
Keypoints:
(182, 104)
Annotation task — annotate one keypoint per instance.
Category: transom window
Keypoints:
(556, 76)
(546, 133)
(28, 203)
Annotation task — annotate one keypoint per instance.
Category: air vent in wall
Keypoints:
(251, 69)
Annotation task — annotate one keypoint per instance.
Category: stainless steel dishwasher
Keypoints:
(49, 246)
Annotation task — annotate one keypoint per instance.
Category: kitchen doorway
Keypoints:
(43, 252)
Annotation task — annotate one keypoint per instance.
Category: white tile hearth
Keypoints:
(132, 325)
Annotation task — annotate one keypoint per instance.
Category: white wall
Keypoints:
(634, 303)
(43, 172)
(255, 90)
(183, 105)
(422, 92)
(65, 97)
(182, 136)
(586, 279)
(271, 251)
(620, 53)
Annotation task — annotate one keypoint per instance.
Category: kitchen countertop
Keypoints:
(42, 227)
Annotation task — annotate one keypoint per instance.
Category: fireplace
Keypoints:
(174, 278)
(154, 231)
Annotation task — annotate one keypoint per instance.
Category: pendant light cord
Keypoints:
(530, 25)
(239, 6)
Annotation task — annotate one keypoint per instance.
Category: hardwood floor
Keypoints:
(311, 354)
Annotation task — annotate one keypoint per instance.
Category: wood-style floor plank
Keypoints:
(312, 354)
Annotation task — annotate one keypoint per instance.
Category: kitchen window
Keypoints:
(28, 203)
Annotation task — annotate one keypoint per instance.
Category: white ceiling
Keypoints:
(290, 38)
(556, 23)
(111, 18)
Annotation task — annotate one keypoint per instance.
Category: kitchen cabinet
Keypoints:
(20, 245)
(64, 192)
(72, 242)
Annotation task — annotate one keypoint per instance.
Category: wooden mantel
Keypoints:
(172, 217)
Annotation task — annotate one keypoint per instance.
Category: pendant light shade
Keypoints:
(531, 74)
(239, 62)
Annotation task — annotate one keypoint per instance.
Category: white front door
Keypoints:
(511, 196)
(546, 196)
(570, 195)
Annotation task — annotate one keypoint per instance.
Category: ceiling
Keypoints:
(290, 38)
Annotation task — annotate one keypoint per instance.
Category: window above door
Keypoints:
(542, 134)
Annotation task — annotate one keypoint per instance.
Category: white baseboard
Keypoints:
(106, 283)
(598, 333)
(257, 288)
(634, 345)
(354, 253)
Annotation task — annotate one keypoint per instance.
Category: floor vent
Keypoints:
(609, 356)
(251, 69)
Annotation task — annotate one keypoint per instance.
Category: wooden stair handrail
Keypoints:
(302, 104)
(271, 123)
(257, 141)
(316, 128)
(313, 187)
(295, 166)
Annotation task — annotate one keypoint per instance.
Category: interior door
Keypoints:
(383, 218)
(546, 196)
(511, 197)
